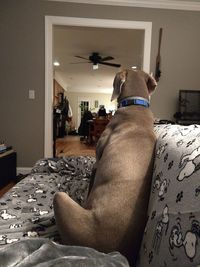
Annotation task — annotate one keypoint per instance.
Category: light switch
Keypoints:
(31, 94)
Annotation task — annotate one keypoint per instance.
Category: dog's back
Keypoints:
(119, 195)
(115, 211)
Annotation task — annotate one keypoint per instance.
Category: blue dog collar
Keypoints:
(140, 101)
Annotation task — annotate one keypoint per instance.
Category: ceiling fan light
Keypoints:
(95, 66)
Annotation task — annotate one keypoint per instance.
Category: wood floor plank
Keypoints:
(6, 188)
(72, 146)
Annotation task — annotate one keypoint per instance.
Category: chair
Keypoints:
(96, 128)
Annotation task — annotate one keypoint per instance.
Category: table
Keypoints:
(96, 128)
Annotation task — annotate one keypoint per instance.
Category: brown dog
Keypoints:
(114, 216)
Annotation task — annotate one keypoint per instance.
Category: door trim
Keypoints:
(50, 21)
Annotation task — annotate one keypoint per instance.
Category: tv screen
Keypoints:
(189, 104)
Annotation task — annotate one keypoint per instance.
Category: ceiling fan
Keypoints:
(96, 59)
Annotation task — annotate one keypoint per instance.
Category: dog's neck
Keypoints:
(134, 100)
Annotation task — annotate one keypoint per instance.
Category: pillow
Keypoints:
(172, 233)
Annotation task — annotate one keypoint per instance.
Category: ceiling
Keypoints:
(77, 75)
(126, 46)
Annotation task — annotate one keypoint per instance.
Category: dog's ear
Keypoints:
(117, 84)
(151, 84)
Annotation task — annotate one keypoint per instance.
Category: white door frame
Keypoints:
(50, 21)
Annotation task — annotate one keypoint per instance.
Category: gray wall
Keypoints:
(22, 63)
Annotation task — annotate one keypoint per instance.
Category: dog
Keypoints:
(114, 215)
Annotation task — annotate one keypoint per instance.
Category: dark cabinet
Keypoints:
(7, 168)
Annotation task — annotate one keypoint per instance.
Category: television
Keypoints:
(189, 104)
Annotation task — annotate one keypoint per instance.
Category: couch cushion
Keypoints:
(172, 234)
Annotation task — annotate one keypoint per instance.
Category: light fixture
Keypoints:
(56, 63)
(95, 66)
(134, 67)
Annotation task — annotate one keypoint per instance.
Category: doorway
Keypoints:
(49, 22)
(83, 104)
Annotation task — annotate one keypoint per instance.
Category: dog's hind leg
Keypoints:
(75, 224)
(92, 177)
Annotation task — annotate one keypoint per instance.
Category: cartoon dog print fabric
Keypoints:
(172, 233)
(26, 211)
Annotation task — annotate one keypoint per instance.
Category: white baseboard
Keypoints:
(23, 170)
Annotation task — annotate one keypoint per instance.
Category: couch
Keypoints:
(28, 234)
(172, 234)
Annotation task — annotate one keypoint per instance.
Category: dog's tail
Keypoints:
(76, 225)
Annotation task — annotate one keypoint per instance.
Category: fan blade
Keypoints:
(79, 62)
(81, 57)
(110, 64)
(107, 58)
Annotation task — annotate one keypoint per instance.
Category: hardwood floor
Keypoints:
(6, 188)
(72, 146)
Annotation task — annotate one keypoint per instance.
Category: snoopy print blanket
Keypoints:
(26, 211)
(172, 233)
(28, 234)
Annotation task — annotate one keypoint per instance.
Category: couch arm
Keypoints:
(172, 234)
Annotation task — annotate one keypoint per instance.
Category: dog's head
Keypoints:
(133, 83)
